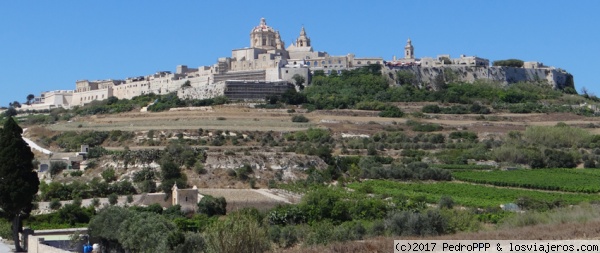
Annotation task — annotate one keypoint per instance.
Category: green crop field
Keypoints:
(571, 180)
(466, 194)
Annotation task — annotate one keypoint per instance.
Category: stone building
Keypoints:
(267, 62)
(244, 75)
(187, 198)
(50, 100)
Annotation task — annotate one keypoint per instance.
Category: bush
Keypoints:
(407, 223)
(446, 202)
(299, 118)
(113, 199)
(211, 206)
(109, 175)
(55, 204)
(391, 112)
(237, 233)
(559, 159)
(5, 229)
(57, 167)
(95, 202)
(77, 173)
(431, 109)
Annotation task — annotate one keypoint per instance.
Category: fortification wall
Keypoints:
(429, 76)
(202, 91)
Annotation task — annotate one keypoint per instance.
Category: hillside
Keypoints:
(368, 159)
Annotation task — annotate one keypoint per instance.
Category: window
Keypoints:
(286, 71)
(339, 61)
(307, 63)
(358, 62)
(323, 63)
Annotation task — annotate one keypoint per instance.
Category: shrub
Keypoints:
(237, 233)
(95, 202)
(109, 175)
(391, 112)
(113, 199)
(77, 173)
(57, 167)
(55, 204)
(211, 206)
(299, 118)
(5, 229)
(446, 202)
(431, 109)
(559, 159)
(407, 223)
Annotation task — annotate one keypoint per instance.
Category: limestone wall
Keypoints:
(81, 98)
(202, 91)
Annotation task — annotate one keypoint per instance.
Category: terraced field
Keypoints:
(570, 180)
(471, 195)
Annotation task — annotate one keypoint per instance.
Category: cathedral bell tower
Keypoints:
(303, 40)
(409, 50)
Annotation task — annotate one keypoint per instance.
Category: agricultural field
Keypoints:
(570, 180)
(470, 195)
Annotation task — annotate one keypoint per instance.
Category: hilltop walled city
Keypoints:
(292, 149)
(268, 67)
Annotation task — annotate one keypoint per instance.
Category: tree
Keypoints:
(211, 206)
(18, 181)
(29, 98)
(515, 63)
(186, 84)
(106, 224)
(10, 112)
(405, 77)
(15, 104)
(149, 232)
(299, 80)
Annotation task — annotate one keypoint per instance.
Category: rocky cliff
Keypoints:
(434, 76)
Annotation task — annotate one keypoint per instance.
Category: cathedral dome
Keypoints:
(265, 37)
(263, 27)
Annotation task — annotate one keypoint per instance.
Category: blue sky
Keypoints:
(48, 45)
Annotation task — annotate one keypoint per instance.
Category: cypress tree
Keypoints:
(18, 181)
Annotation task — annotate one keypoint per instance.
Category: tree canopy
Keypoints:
(509, 63)
(18, 181)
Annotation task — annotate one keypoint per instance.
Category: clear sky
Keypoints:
(48, 45)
